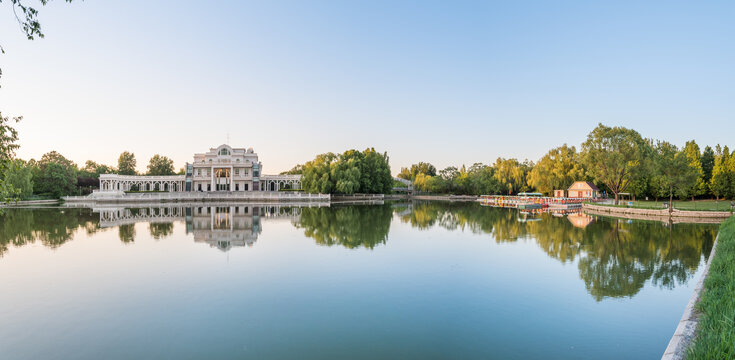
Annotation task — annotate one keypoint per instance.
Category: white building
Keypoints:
(223, 168)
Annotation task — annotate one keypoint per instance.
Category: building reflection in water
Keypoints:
(223, 226)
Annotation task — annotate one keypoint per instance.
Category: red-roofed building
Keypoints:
(583, 189)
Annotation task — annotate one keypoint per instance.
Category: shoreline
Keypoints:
(687, 327)
(720, 215)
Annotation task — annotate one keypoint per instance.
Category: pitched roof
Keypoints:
(589, 184)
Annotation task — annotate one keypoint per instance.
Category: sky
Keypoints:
(449, 83)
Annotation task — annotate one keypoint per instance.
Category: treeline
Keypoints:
(617, 159)
(366, 172)
(55, 176)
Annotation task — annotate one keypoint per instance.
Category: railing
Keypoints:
(202, 196)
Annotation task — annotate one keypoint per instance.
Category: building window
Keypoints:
(237, 187)
(210, 161)
(224, 152)
(209, 187)
(246, 187)
(237, 171)
(245, 172)
(199, 172)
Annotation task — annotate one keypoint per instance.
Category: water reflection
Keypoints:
(615, 257)
(51, 226)
(349, 226)
(222, 226)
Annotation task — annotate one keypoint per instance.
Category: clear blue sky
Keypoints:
(444, 82)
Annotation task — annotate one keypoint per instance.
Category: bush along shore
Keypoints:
(715, 337)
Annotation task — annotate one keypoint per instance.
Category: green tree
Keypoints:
(708, 163)
(160, 165)
(95, 170)
(55, 175)
(731, 175)
(126, 163)
(296, 170)
(375, 177)
(351, 172)
(18, 177)
(316, 177)
(511, 174)
(694, 159)
(558, 169)
(415, 169)
(8, 137)
(674, 170)
(481, 180)
(615, 156)
(346, 172)
(721, 173)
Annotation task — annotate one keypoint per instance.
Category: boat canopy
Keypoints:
(530, 194)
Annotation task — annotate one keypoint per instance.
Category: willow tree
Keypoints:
(511, 174)
(558, 169)
(8, 138)
(615, 156)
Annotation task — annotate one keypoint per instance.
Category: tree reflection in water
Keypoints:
(19, 227)
(350, 226)
(615, 256)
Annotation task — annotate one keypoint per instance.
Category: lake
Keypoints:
(422, 280)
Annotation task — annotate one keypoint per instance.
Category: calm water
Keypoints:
(420, 281)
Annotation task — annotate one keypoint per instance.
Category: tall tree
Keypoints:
(18, 177)
(161, 165)
(296, 170)
(675, 170)
(721, 174)
(93, 169)
(615, 156)
(694, 159)
(316, 177)
(415, 169)
(731, 175)
(8, 137)
(511, 174)
(126, 163)
(346, 172)
(708, 162)
(558, 169)
(375, 177)
(56, 175)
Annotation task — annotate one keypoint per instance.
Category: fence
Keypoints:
(200, 196)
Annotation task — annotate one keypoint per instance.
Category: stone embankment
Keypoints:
(445, 197)
(685, 331)
(30, 203)
(717, 215)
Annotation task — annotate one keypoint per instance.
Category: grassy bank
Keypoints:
(715, 338)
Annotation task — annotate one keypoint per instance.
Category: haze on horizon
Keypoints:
(448, 83)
